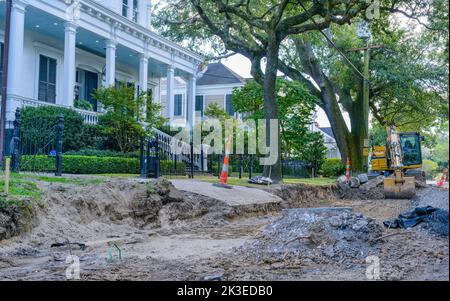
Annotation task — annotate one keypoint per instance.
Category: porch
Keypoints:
(62, 53)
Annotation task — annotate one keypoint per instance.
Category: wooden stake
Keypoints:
(7, 174)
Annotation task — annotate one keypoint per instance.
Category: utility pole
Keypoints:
(366, 95)
(4, 80)
(363, 32)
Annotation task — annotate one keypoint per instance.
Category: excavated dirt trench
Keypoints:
(165, 234)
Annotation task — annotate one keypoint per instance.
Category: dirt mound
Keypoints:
(16, 217)
(119, 207)
(302, 195)
(316, 235)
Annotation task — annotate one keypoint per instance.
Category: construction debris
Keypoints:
(436, 218)
(319, 235)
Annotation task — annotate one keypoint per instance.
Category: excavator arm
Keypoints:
(397, 186)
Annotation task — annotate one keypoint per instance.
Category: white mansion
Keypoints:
(61, 50)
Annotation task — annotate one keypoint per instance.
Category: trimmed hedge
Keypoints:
(333, 168)
(103, 153)
(37, 125)
(75, 164)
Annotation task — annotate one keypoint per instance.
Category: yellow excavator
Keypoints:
(400, 161)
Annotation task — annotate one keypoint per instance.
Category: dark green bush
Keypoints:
(37, 125)
(92, 137)
(83, 104)
(102, 153)
(76, 164)
(333, 168)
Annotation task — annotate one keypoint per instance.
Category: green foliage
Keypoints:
(76, 164)
(38, 125)
(124, 117)
(430, 168)
(83, 104)
(312, 149)
(333, 168)
(295, 107)
(214, 111)
(378, 134)
(92, 152)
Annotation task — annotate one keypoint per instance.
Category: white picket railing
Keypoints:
(90, 117)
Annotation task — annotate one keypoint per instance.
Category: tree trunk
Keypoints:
(349, 143)
(358, 131)
(271, 106)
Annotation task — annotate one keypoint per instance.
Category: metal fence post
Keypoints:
(250, 170)
(59, 141)
(15, 155)
(241, 167)
(218, 165)
(157, 163)
(142, 160)
(191, 175)
(202, 163)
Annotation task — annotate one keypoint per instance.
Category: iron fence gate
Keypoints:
(162, 155)
(36, 145)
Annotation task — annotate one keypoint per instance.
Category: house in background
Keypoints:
(215, 84)
(329, 140)
(61, 50)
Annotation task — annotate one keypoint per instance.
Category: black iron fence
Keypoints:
(36, 146)
(162, 155)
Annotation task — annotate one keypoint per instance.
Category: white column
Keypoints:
(143, 78)
(111, 46)
(170, 92)
(143, 72)
(142, 13)
(191, 92)
(15, 58)
(68, 84)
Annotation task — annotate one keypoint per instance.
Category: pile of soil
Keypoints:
(306, 196)
(316, 235)
(16, 217)
(116, 208)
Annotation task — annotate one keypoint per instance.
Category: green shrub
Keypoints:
(83, 104)
(92, 137)
(333, 168)
(430, 168)
(76, 164)
(103, 153)
(37, 125)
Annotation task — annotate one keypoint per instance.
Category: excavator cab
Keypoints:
(403, 154)
(411, 149)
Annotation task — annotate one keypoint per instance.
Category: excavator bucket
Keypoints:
(405, 189)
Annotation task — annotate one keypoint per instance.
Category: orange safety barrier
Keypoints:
(226, 160)
(347, 170)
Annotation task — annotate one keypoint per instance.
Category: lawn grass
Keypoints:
(19, 186)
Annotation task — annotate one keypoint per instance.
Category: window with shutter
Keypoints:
(47, 79)
(178, 103)
(199, 104)
(229, 105)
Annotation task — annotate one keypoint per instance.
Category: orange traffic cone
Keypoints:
(224, 174)
(440, 183)
(347, 170)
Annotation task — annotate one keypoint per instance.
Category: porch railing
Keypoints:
(90, 117)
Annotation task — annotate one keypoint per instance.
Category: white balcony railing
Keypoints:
(90, 117)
